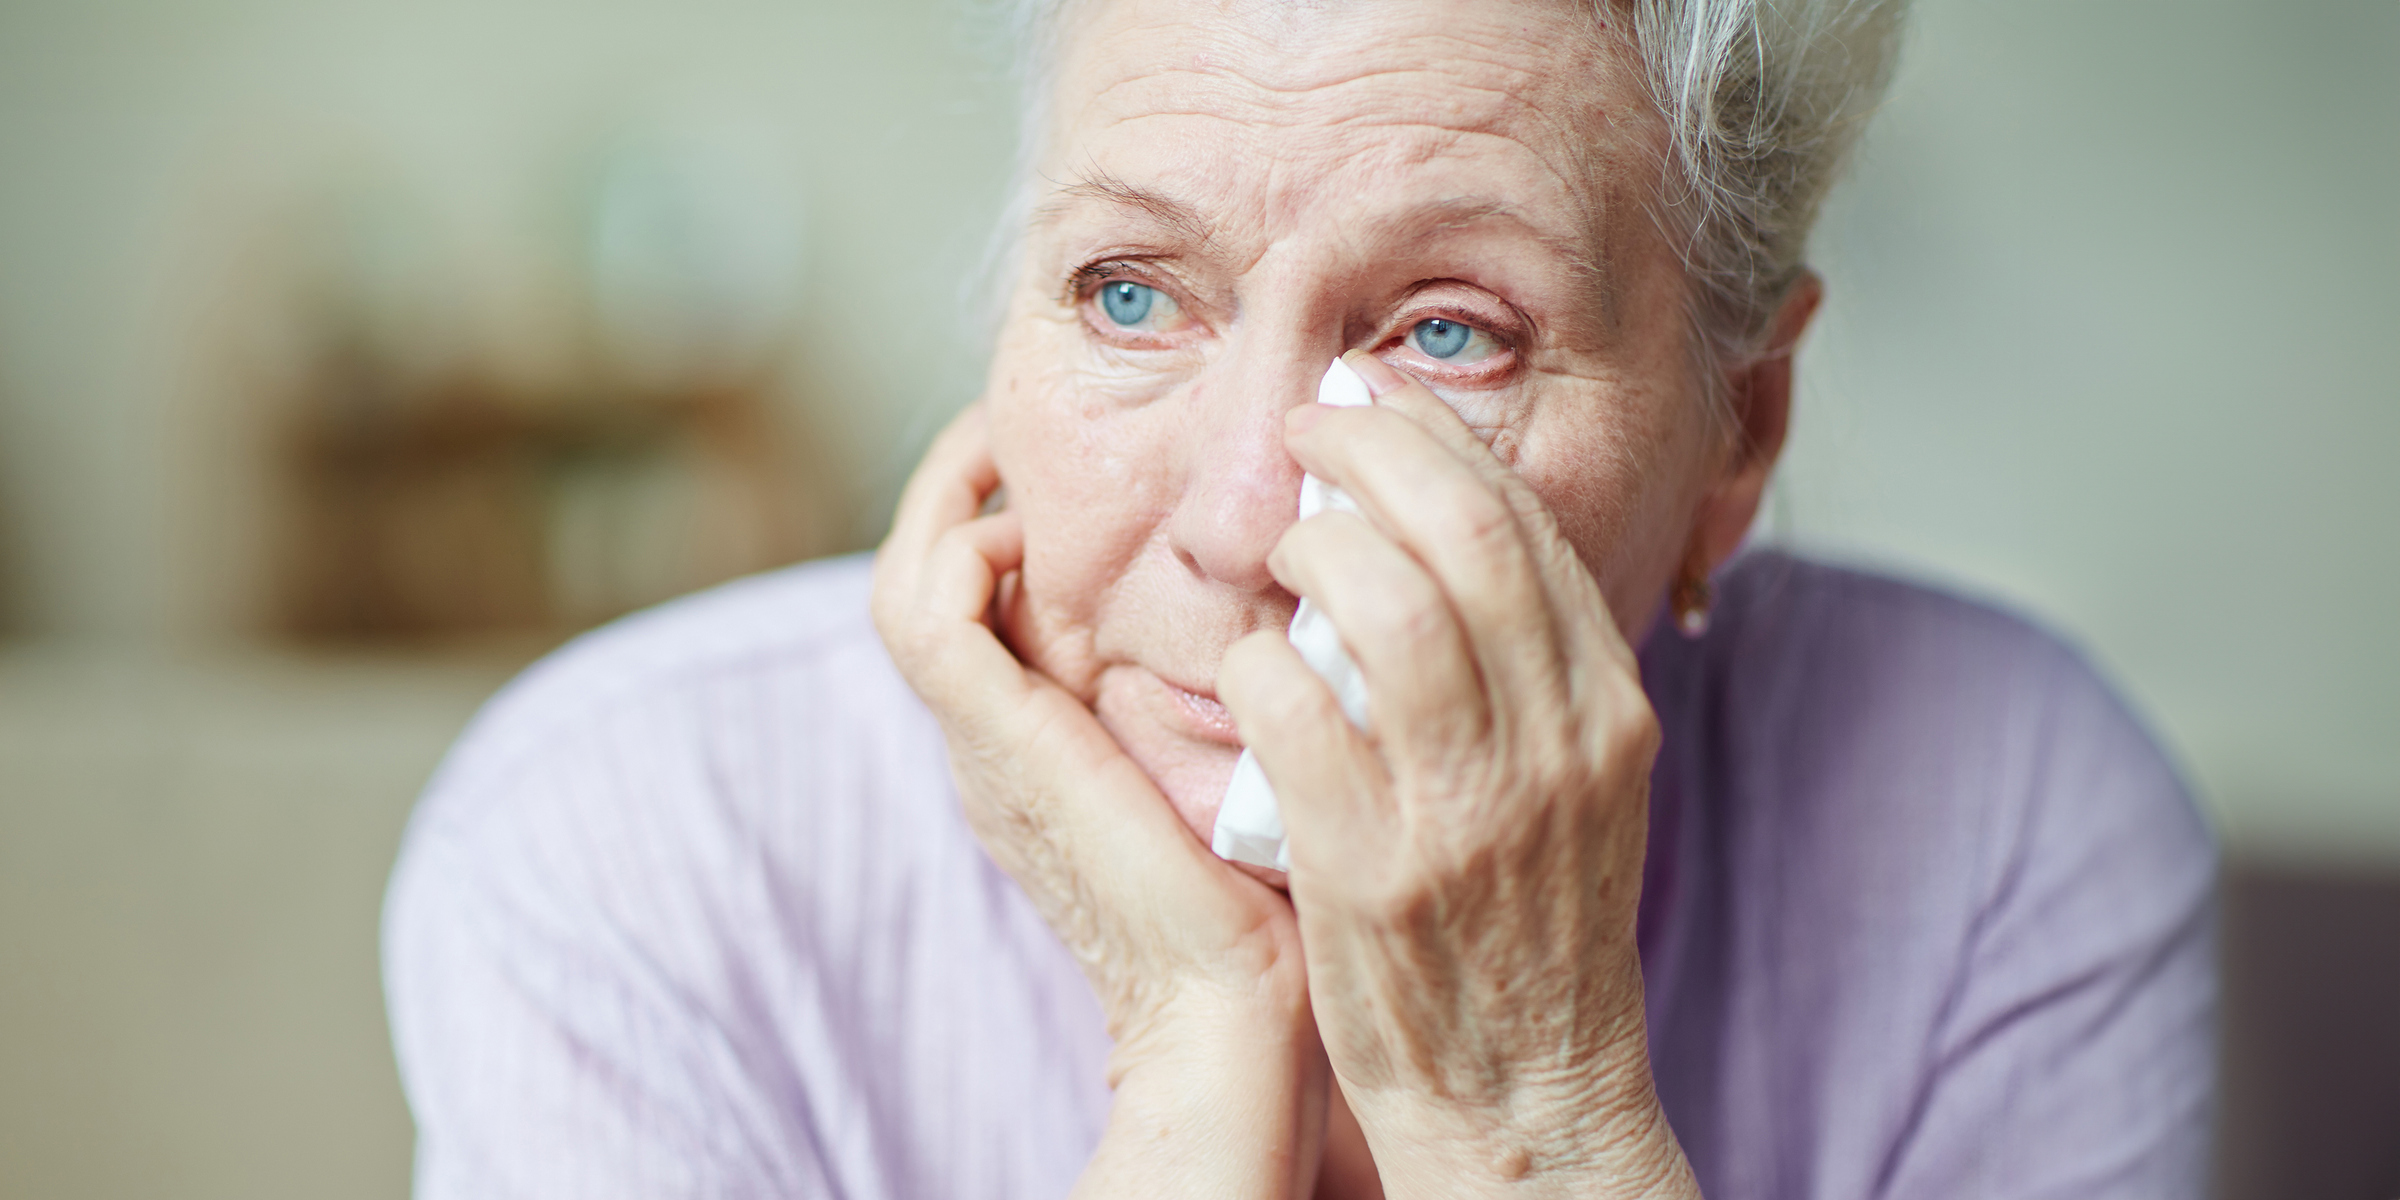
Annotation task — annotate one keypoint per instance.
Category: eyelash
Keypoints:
(1082, 293)
(1490, 372)
(1085, 281)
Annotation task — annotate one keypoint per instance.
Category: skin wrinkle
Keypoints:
(1502, 1030)
(1300, 224)
(1448, 215)
(1575, 143)
(1432, 132)
(1507, 443)
(1097, 184)
(1564, 249)
(1453, 50)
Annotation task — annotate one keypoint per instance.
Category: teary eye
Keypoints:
(1453, 342)
(1135, 305)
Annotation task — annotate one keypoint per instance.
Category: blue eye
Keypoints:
(1127, 303)
(1453, 342)
(1442, 339)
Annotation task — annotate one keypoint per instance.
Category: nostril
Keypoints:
(1224, 537)
(1238, 489)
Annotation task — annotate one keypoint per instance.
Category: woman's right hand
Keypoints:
(1220, 1080)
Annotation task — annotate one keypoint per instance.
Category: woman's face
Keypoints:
(1235, 193)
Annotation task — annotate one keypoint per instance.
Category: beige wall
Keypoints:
(192, 856)
(2109, 335)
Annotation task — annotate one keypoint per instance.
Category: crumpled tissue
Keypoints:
(1250, 823)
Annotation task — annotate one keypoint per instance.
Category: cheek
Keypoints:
(1084, 480)
(1590, 487)
(1621, 490)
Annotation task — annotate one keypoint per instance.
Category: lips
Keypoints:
(1205, 715)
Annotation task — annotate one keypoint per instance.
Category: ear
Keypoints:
(1759, 393)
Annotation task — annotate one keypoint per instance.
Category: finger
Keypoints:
(1427, 693)
(948, 487)
(1068, 806)
(939, 633)
(963, 571)
(1328, 780)
(1582, 617)
(1454, 522)
(945, 490)
(933, 621)
(1048, 791)
(1403, 393)
(1094, 843)
(1584, 622)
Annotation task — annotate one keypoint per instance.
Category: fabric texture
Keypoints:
(691, 911)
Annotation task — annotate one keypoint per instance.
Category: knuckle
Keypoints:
(1296, 708)
(956, 540)
(1399, 897)
(1479, 524)
(1298, 546)
(1627, 734)
(1406, 614)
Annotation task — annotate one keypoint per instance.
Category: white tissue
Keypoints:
(1250, 824)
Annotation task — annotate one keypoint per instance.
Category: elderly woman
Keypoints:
(894, 879)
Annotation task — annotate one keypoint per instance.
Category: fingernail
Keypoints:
(1381, 378)
(1303, 418)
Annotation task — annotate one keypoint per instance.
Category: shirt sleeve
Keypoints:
(2076, 1054)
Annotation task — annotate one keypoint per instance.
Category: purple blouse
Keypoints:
(691, 912)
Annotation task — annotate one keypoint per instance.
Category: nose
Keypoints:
(1241, 487)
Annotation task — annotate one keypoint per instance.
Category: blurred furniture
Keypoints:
(461, 507)
(2310, 1106)
(436, 493)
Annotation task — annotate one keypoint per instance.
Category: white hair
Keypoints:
(1762, 99)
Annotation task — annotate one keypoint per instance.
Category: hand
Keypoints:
(1467, 871)
(1220, 1082)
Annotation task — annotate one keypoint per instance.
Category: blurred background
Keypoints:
(353, 352)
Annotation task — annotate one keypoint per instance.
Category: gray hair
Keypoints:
(1763, 101)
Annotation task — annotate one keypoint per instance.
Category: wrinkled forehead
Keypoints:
(1273, 114)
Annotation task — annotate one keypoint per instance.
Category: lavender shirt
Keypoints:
(691, 911)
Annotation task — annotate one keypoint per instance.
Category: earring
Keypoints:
(1691, 602)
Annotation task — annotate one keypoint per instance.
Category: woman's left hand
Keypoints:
(1467, 870)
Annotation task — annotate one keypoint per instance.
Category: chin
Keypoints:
(1195, 785)
(1193, 776)
(1190, 768)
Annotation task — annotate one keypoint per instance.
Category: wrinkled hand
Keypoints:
(1220, 1083)
(1467, 871)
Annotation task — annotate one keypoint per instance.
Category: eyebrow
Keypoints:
(1158, 207)
(1581, 260)
(1442, 216)
(1438, 216)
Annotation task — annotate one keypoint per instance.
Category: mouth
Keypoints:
(1204, 714)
